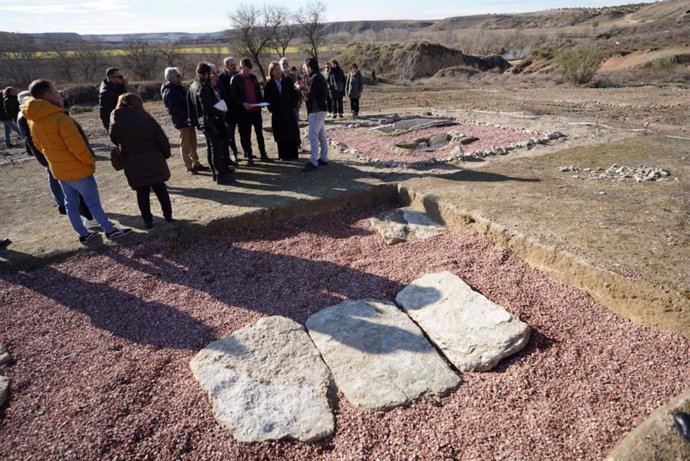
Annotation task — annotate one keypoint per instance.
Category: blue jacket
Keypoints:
(175, 100)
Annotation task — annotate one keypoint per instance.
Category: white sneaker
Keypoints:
(90, 223)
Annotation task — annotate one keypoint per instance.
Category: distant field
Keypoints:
(184, 50)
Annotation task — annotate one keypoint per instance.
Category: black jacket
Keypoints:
(336, 80)
(3, 114)
(107, 100)
(31, 149)
(175, 100)
(200, 101)
(224, 83)
(238, 92)
(11, 106)
(317, 93)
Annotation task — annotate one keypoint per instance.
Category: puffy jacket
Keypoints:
(60, 139)
(107, 100)
(143, 144)
(317, 93)
(355, 85)
(25, 131)
(175, 100)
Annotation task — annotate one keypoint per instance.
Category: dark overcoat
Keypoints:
(143, 144)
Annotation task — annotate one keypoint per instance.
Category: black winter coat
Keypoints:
(107, 100)
(282, 107)
(336, 80)
(143, 144)
(200, 101)
(232, 115)
(3, 114)
(317, 93)
(23, 125)
(175, 100)
(11, 105)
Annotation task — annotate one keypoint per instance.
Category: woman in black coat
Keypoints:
(283, 98)
(144, 147)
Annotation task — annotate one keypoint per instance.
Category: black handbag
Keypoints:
(116, 159)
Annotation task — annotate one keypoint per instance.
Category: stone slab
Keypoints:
(657, 437)
(470, 330)
(379, 358)
(267, 382)
(4, 389)
(405, 224)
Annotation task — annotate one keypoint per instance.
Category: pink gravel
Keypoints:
(377, 146)
(102, 345)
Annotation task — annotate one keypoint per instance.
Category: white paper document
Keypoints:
(220, 105)
(260, 104)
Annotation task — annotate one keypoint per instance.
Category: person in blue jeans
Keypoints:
(54, 184)
(315, 91)
(71, 160)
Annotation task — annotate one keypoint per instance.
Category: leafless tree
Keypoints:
(285, 30)
(141, 58)
(311, 20)
(214, 54)
(252, 33)
(17, 59)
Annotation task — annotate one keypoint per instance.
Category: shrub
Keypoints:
(664, 64)
(149, 91)
(81, 95)
(579, 64)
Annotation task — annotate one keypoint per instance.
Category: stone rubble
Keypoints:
(405, 224)
(473, 333)
(267, 381)
(379, 358)
(617, 172)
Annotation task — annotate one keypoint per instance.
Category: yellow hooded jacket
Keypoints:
(59, 138)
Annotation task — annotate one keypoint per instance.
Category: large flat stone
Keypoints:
(379, 358)
(4, 389)
(267, 382)
(405, 224)
(473, 332)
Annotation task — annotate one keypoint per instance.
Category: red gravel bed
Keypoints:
(377, 146)
(102, 345)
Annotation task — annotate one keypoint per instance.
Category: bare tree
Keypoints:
(214, 54)
(17, 59)
(171, 53)
(252, 32)
(284, 28)
(141, 58)
(90, 60)
(311, 19)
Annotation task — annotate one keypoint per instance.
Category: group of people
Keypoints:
(216, 104)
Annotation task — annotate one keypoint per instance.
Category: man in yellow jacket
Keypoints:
(70, 159)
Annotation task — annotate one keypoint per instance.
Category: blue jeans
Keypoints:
(89, 191)
(317, 137)
(10, 126)
(55, 189)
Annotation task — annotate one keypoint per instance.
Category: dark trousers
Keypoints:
(144, 202)
(354, 105)
(288, 150)
(217, 153)
(338, 102)
(232, 125)
(248, 120)
(329, 103)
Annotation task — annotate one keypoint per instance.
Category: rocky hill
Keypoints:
(414, 60)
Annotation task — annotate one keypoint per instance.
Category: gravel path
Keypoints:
(377, 145)
(102, 345)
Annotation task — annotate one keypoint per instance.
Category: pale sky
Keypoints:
(133, 16)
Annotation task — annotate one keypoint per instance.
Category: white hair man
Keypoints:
(175, 100)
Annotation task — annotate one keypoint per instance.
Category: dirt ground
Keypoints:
(637, 231)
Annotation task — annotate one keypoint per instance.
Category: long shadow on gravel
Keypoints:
(117, 311)
(269, 283)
